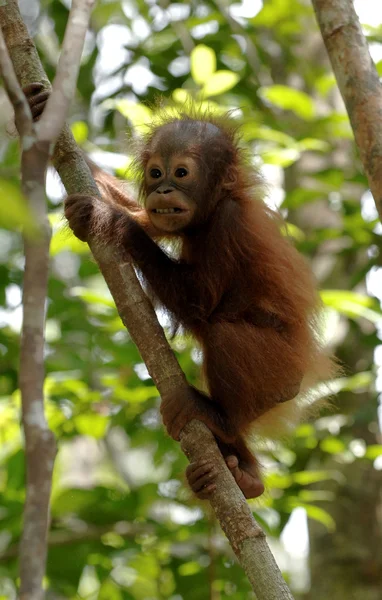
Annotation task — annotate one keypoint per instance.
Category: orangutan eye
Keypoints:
(181, 172)
(155, 173)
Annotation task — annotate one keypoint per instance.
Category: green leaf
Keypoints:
(80, 131)
(91, 424)
(373, 451)
(182, 96)
(110, 590)
(251, 131)
(352, 304)
(379, 67)
(189, 568)
(319, 514)
(325, 83)
(160, 42)
(314, 145)
(313, 512)
(294, 232)
(63, 239)
(332, 445)
(219, 82)
(308, 477)
(14, 210)
(305, 430)
(316, 495)
(91, 297)
(289, 98)
(278, 481)
(137, 113)
(284, 157)
(203, 64)
(356, 383)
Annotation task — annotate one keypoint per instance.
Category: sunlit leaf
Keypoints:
(291, 99)
(295, 232)
(271, 13)
(373, 451)
(110, 590)
(133, 395)
(252, 131)
(313, 512)
(189, 568)
(63, 240)
(203, 64)
(316, 495)
(284, 157)
(182, 96)
(352, 304)
(91, 424)
(308, 477)
(355, 383)
(80, 131)
(219, 82)
(314, 144)
(103, 12)
(92, 297)
(305, 430)
(160, 41)
(325, 83)
(278, 481)
(319, 514)
(137, 113)
(332, 445)
(14, 210)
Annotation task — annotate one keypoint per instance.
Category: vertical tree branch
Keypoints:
(64, 84)
(358, 82)
(234, 514)
(40, 447)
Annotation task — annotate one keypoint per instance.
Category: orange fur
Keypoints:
(255, 309)
(239, 285)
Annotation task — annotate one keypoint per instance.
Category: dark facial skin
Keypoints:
(170, 183)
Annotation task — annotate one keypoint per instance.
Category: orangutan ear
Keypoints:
(230, 179)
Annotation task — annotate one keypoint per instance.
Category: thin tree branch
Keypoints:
(358, 82)
(180, 29)
(229, 504)
(251, 51)
(40, 447)
(64, 84)
(23, 117)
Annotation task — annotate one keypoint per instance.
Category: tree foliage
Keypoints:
(123, 524)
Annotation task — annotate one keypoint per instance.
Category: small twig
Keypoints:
(23, 117)
(64, 85)
(180, 29)
(40, 447)
(358, 82)
(251, 51)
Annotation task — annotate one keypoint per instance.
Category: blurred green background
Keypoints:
(124, 526)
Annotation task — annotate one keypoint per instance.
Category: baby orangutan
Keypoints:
(239, 286)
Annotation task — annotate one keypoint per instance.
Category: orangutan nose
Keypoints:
(163, 189)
